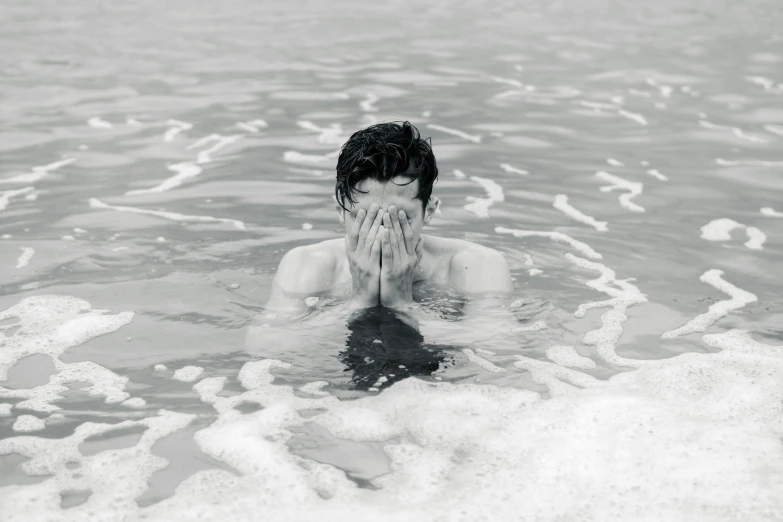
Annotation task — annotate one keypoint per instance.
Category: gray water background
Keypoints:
(453, 64)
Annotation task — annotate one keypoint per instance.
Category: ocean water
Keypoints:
(158, 159)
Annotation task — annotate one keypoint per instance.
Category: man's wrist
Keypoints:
(400, 303)
(357, 302)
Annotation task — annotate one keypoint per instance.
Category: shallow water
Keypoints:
(156, 162)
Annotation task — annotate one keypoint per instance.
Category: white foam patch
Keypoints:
(99, 123)
(633, 189)
(770, 212)
(310, 172)
(184, 171)
(475, 138)
(734, 130)
(253, 126)
(307, 226)
(613, 162)
(176, 127)
(513, 170)
(315, 388)
(637, 92)
(665, 90)
(568, 356)
(218, 140)
(528, 260)
(596, 106)
(534, 272)
(136, 402)
(333, 134)
(766, 83)
(97, 204)
(5, 196)
(720, 230)
(38, 172)
(480, 206)
(25, 257)
(5, 409)
(519, 303)
(623, 294)
(673, 440)
(657, 174)
(188, 373)
(49, 325)
(748, 163)
(583, 248)
(633, 116)
(716, 311)
(459, 174)
(160, 367)
(514, 92)
(368, 104)
(311, 301)
(293, 156)
(482, 363)
(559, 380)
(28, 423)
(774, 129)
(561, 203)
(535, 327)
(507, 81)
(114, 478)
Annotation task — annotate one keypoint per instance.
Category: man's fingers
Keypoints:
(373, 232)
(387, 260)
(395, 219)
(353, 235)
(407, 232)
(372, 213)
(393, 240)
(375, 251)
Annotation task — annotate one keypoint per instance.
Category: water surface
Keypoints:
(156, 162)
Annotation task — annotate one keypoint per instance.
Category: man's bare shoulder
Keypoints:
(477, 268)
(309, 268)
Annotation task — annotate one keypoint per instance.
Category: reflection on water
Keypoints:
(382, 349)
(157, 161)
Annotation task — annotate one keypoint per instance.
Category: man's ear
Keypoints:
(340, 210)
(432, 207)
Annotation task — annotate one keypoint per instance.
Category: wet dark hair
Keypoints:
(381, 152)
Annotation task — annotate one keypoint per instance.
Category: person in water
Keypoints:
(383, 196)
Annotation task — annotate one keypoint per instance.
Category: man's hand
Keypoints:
(363, 247)
(399, 259)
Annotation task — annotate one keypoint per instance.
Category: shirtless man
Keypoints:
(383, 195)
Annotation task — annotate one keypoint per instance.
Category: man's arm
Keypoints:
(303, 272)
(483, 276)
(480, 271)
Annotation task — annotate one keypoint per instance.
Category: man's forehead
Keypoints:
(399, 190)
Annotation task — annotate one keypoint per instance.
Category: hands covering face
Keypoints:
(400, 255)
(383, 256)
